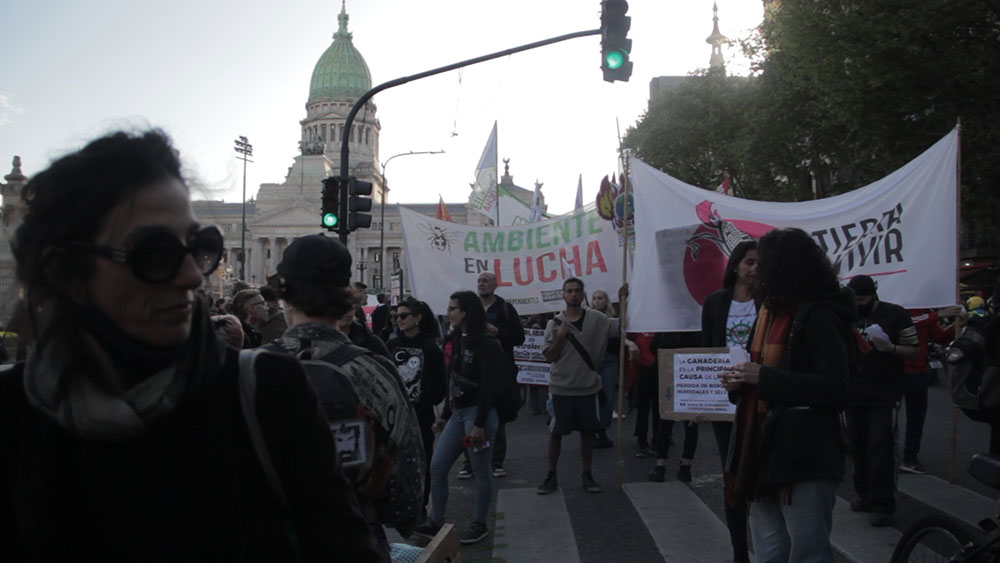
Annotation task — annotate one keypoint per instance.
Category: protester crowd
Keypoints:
(148, 421)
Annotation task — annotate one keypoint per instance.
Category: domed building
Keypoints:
(281, 212)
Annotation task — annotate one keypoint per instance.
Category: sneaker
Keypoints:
(550, 485)
(474, 533)
(589, 484)
(914, 467)
(684, 473)
(859, 505)
(427, 530)
(658, 474)
(499, 472)
(880, 519)
(465, 473)
(644, 451)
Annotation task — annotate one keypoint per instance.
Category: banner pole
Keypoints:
(953, 477)
(622, 305)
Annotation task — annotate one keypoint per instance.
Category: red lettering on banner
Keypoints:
(541, 268)
(594, 258)
(496, 270)
(529, 276)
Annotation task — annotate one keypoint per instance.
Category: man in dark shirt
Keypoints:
(875, 390)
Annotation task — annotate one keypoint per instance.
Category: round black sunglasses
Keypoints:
(157, 256)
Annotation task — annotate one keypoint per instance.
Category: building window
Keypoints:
(322, 129)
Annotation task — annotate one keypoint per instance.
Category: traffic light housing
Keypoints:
(615, 44)
(359, 203)
(330, 213)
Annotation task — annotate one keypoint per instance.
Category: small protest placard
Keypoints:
(532, 369)
(689, 384)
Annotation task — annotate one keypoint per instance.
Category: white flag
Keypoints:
(579, 194)
(536, 204)
(484, 191)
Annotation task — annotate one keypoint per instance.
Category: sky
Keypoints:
(207, 72)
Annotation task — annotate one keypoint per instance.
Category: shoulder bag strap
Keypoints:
(248, 394)
(579, 348)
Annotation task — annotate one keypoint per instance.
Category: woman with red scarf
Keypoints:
(785, 454)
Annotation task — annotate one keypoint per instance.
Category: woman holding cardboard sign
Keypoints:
(726, 318)
(785, 455)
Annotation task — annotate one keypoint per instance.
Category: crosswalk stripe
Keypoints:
(966, 505)
(682, 526)
(533, 527)
(855, 538)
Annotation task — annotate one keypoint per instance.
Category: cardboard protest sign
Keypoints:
(689, 384)
(532, 369)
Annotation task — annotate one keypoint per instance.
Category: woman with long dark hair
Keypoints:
(421, 367)
(726, 318)
(785, 455)
(122, 435)
(470, 417)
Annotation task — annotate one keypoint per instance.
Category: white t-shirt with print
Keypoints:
(739, 322)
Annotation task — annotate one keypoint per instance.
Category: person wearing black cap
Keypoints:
(875, 390)
(314, 277)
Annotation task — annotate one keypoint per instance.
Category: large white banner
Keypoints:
(901, 230)
(445, 257)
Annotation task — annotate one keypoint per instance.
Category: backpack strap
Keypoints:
(248, 395)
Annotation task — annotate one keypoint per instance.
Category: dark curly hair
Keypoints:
(428, 323)
(318, 301)
(792, 268)
(730, 276)
(69, 202)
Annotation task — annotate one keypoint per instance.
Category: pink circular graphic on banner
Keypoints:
(714, 239)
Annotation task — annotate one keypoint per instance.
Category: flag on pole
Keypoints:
(723, 187)
(484, 191)
(536, 204)
(442, 213)
(579, 194)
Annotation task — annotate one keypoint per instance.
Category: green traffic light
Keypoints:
(329, 220)
(614, 59)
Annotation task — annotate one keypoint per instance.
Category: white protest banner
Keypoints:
(900, 230)
(689, 384)
(532, 369)
(446, 257)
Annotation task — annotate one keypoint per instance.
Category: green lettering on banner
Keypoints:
(579, 225)
(540, 235)
(593, 219)
(471, 241)
(491, 244)
(515, 239)
(563, 228)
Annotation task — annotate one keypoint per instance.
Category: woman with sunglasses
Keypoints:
(421, 366)
(470, 417)
(122, 435)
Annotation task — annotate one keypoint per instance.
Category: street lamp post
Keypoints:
(362, 266)
(245, 149)
(385, 194)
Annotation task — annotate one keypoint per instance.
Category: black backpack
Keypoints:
(351, 424)
(974, 371)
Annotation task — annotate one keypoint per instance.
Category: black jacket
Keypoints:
(714, 314)
(475, 375)
(801, 438)
(503, 315)
(190, 488)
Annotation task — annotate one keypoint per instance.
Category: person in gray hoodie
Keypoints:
(575, 342)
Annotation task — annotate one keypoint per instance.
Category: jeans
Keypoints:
(499, 446)
(661, 439)
(915, 397)
(609, 381)
(447, 450)
(645, 389)
(736, 515)
(874, 451)
(797, 531)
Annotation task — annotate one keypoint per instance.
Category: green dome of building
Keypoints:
(341, 72)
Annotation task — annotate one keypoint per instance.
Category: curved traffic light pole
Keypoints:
(342, 227)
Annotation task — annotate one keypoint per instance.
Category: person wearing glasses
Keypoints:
(420, 363)
(122, 434)
(250, 308)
